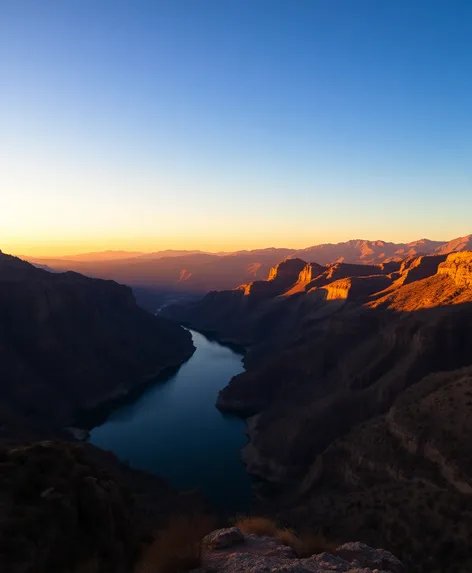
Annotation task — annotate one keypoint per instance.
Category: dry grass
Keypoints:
(306, 543)
(177, 547)
(288, 537)
(310, 543)
(257, 526)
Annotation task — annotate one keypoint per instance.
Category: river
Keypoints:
(175, 431)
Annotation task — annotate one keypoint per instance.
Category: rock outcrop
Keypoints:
(458, 266)
(229, 551)
(356, 287)
(68, 342)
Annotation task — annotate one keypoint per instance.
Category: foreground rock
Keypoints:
(68, 508)
(230, 551)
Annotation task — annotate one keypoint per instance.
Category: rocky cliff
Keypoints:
(68, 342)
(359, 403)
(458, 267)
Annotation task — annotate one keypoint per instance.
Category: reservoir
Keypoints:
(175, 431)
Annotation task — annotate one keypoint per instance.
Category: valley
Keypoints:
(357, 397)
(356, 394)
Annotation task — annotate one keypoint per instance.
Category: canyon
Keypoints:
(357, 395)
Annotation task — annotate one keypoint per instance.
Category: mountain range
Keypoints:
(156, 277)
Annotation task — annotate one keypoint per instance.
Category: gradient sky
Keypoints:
(222, 124)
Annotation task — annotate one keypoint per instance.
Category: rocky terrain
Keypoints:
(68, 342)
(75, 509)
(358, 396)
(231, 551)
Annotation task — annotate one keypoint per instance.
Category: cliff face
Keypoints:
(69, 342)
(360, 405)
(458, 267)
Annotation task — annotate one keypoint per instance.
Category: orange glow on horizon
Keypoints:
(66, 248)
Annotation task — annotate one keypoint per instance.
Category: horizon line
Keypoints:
(138, 252)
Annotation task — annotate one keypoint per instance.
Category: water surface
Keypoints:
(174, 429)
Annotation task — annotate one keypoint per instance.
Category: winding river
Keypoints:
(174, 429)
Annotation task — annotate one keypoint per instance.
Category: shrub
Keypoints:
(305, 544)
(310, 543)
(288, 537)
(257, 526)
(177, 547)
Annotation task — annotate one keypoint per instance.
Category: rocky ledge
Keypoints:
(459, 267)
(231, 551)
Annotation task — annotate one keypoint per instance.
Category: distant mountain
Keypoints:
(154, 276)
(360, 251)
(170, 253)
(460, 244)
(102, 256)
(194, 272)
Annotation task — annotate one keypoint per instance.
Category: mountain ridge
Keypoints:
(158, 278)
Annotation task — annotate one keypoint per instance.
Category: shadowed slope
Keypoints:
(69, 342)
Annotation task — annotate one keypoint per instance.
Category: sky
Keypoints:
(231, 124)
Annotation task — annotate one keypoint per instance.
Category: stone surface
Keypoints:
(223, 538)
(458, 266)
(368, 557)
(229, 551)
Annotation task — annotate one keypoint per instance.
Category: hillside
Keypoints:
(68, 342)
(357, 399)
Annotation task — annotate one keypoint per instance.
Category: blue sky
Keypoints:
(233, 124)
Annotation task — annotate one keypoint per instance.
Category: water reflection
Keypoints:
(174, 430)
